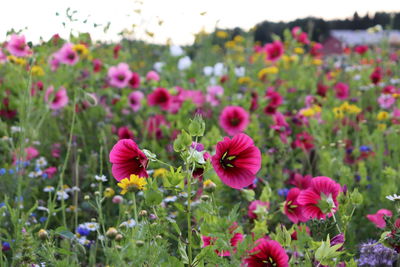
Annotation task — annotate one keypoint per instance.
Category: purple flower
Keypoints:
(373, 254)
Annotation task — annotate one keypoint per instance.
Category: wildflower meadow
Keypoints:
(227, 152)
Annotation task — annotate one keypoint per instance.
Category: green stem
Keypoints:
(135, 207)
(337, 225)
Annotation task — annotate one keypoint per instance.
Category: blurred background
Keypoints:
(178, 21)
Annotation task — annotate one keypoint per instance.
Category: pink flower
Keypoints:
(234, 119)
(56, 150)
(125, 133)
(135, 99)
(376, 75)
(378, 217)
(17, 46)
(316, 49)
(67, 55)
(152, 76)
(127, 159)
(153, 126)
(320, 199)
(254, 205)
(386, 101)
(119, 75)
(3, 57)
(274, 50)
(234, 241)
(267, 253)
(134, 82)
(213, 95)
(160, 97)
(300, 181)
(304, 141)
(361, 49)
(237, 161)
(56, 100)
(281, 126)
(342, 91)
(54, 62)
(51, 171)
(97, 65)
(292, 209)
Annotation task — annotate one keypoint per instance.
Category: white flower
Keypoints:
(393, 197)
(43, 208)
(129, 223)
(184, 63)
(62, 195)
(176, 50)
(208, 70)
(41, 162)
(83, 240)
(91, 226)
(15, 129)
(158, 66)
(75, 189)
(170, 199)
(48, 189)
(101, 178)
(219, 69)
(240, 71)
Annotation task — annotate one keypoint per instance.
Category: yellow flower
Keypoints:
(338, 113)
(383, 115)
(159, 173)
(81, 49)
(109, 192)
(269, 70)
(37, 71)
(209, 185)
(132, 183)
(230, 44)
(222, 34)
(299, 50)
(16, 60)
(244, 80)
(308, 112)
(238, 39)
(382, 126)
(396, 95)
(317, 61)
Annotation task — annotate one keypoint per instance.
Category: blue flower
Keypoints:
(365, 149)
(42, 219)
(5, 246)
(3, 171)
(11, 171)
(83, 231)
(283, 192)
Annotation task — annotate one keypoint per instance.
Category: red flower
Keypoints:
(234, 119)
(134, 82)
(292, 209)
(160, 97)
(267, 253)
(125, 133)
(209, 241)
(342, 91)
(361, 49)
(237, 161)
(127, 159)
(378, 217)
(320, 198)
(376, 75)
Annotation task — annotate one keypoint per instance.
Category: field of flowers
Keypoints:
(223, 153)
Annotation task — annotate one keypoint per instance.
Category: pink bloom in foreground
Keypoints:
(292, 209)
(119, 76)
(56, 100)
(127, 159)
(378, 217)
(320, 199)
(234, 119)
(18, 47)
(237, 161)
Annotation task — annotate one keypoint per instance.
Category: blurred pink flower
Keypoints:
(378, 217)
(234, 120)
(135, 99)
(152, 76)
(17, 46)
(119, 75)
(213, 95)
(56, 100)
(67, 55)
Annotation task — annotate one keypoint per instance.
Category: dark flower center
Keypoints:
(71, 56)
(227, 161)
(121, 77)
(235, 121)
(269, 262)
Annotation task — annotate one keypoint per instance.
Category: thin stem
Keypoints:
(337, 225)
(135, 207)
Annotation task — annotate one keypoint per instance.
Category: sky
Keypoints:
(179, 19)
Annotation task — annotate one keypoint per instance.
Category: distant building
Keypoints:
(340, 39)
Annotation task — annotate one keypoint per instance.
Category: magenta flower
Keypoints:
(304, 141)
(3, 57)
(127, 159)
(135, 100)
(281, 126)
(274, 50)
(17, 46)
(253, 207)
(342, 91)
(67, 55)
(54, 62)
(56, 100)
(134, 82)
(153, 126)
(267, 253)
(386, 101)
(152, 76)
(125, 133)
(292, 209)
(378, 217)
(237, 161)
(160, 97)
(119, 76)
(234, 119)
(320, 199)
(234, 241)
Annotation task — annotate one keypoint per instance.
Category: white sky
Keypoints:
(181, 17)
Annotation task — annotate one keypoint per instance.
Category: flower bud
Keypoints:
(209, 186)
(43, 234)
(118, 237)
(111, 232)
(143, 213)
